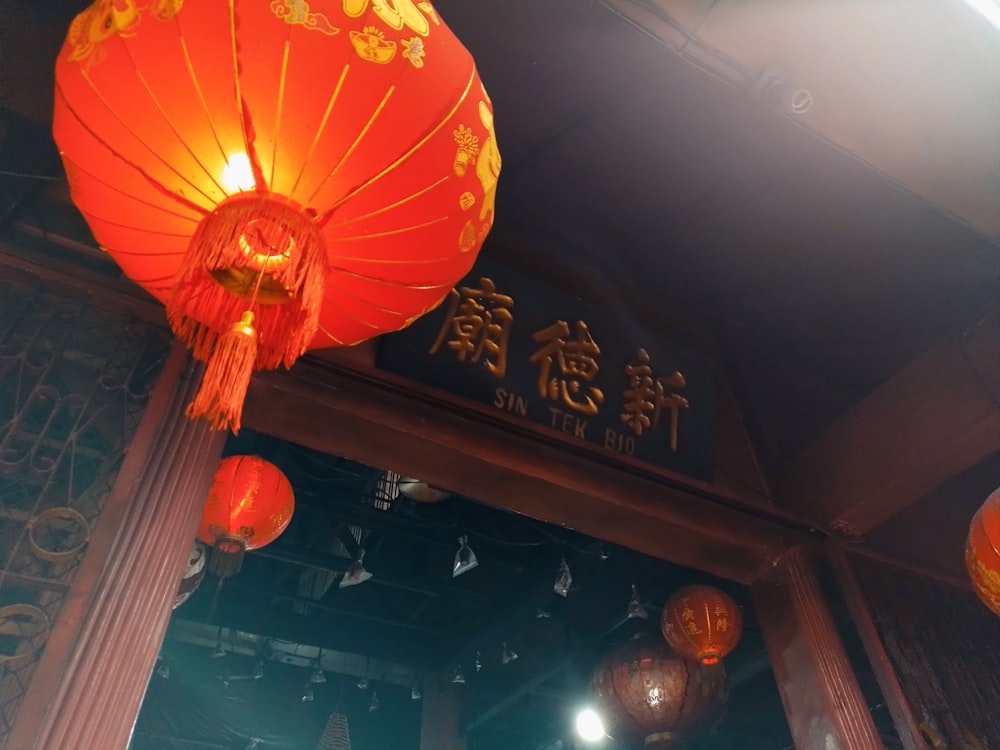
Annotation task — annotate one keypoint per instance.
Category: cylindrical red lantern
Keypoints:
(643, 689)
(251, 502)
(702, 623)
(982, 552)
(283, 175)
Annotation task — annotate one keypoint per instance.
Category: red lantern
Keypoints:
(982, 552)
(251, 502)
(702, 623)
(283, 175)
(644, 689)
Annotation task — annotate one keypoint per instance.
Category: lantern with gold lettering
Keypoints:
(251, 502)
(702, 623)
(283, 175)
(982, 552)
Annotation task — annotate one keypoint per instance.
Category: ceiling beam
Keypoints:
(936, 418)
(382, 421)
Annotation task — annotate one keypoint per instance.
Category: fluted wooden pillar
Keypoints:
(91, 679)
(823, 701)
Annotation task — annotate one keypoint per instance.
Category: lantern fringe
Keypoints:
(223, 563)
(665, 741)
(227, 377)
(258, 252)
(712, 678)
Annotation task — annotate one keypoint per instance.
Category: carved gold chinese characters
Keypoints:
(646, 397)
(478, 328)
(479, 319)
(576, 360)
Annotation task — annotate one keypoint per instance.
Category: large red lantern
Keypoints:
(702, 623)
(643, 689)
(284, 175)
(251, 502)
(982, 552)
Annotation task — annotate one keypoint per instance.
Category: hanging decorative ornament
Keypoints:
(982, 552)
(635, 609)
(282, 177)
(564, 579)
(251, 502)
(702, 623)
(465, 558)
(643, 689)
(356, 572)
(194, 574)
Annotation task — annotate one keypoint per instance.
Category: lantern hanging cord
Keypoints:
(26, 176)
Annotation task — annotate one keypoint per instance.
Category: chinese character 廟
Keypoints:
(647, 396)
(478, 321)
(576, 360)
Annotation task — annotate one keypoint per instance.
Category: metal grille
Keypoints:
(74, 380)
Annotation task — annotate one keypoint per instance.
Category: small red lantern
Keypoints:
(283, 175)
(982, 552)
(643, 689)
(702, 623)
(251, 502)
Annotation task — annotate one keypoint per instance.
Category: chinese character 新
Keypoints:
(478, 321)
(576, 361)
(647, 396)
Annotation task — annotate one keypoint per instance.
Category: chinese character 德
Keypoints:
(479, 322)
(647, 397)
(576, 360)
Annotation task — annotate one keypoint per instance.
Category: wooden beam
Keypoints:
(933, 420)
(390, 424)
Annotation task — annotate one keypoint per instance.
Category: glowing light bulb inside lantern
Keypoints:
(589, 725)
(237, 176)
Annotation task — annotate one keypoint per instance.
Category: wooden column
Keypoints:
(90, 682)
(906, 722)
(440, 727)
(825, 707)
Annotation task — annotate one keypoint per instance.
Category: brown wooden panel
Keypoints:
(936, 418)
(395, 426)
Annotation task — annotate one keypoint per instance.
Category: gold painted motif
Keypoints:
(647, 396)
(576, 360)
(466, 201)
(165, 10)
(413, 50)
(394, 13)
(488, 163)
(297, 12)
(479, 322)
(371, 45)
(427, 8)
(468, 149)
(100, 21)
(467, 238)
(107, 18)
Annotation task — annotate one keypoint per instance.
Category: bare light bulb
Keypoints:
(237, 176)
(589, 725)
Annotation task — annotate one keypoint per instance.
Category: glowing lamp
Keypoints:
(982, 552)
(283, 175)
(251, 502)
(644, 689)
(702, 623)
